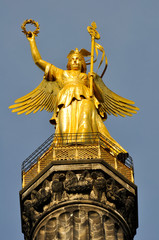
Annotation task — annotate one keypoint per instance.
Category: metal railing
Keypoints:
(57, 140)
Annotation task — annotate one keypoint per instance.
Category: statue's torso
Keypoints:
(74, 77)
(75, 86)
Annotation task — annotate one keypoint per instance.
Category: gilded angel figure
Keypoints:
(66, 93)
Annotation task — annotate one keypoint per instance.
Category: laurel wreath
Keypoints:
(30, 21)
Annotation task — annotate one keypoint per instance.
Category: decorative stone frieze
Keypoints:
(80, 203)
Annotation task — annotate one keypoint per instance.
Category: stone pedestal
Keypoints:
(79, 200)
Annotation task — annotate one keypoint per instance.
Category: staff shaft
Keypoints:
(91, 68)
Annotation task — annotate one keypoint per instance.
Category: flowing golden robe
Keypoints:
(75, 111)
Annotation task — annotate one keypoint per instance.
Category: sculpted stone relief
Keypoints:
(71, 185)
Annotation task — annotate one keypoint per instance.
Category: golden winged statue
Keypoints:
(66, 93)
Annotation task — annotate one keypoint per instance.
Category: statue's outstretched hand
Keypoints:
(30, 36)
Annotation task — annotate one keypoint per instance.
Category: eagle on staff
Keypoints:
(79, 101)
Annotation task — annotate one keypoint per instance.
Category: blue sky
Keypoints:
(130, 35)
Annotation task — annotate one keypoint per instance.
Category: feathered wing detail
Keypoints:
(41, 98)
(113, 103)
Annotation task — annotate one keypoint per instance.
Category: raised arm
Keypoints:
(35, 52)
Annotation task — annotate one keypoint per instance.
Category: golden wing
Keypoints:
(113, 103)
(41, 98)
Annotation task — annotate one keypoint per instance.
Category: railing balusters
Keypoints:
(56, 140)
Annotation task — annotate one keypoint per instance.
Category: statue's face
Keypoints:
(75, 62)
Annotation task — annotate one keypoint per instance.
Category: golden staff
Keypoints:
(94, 35)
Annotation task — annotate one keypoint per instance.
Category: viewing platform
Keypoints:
(77, 147)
